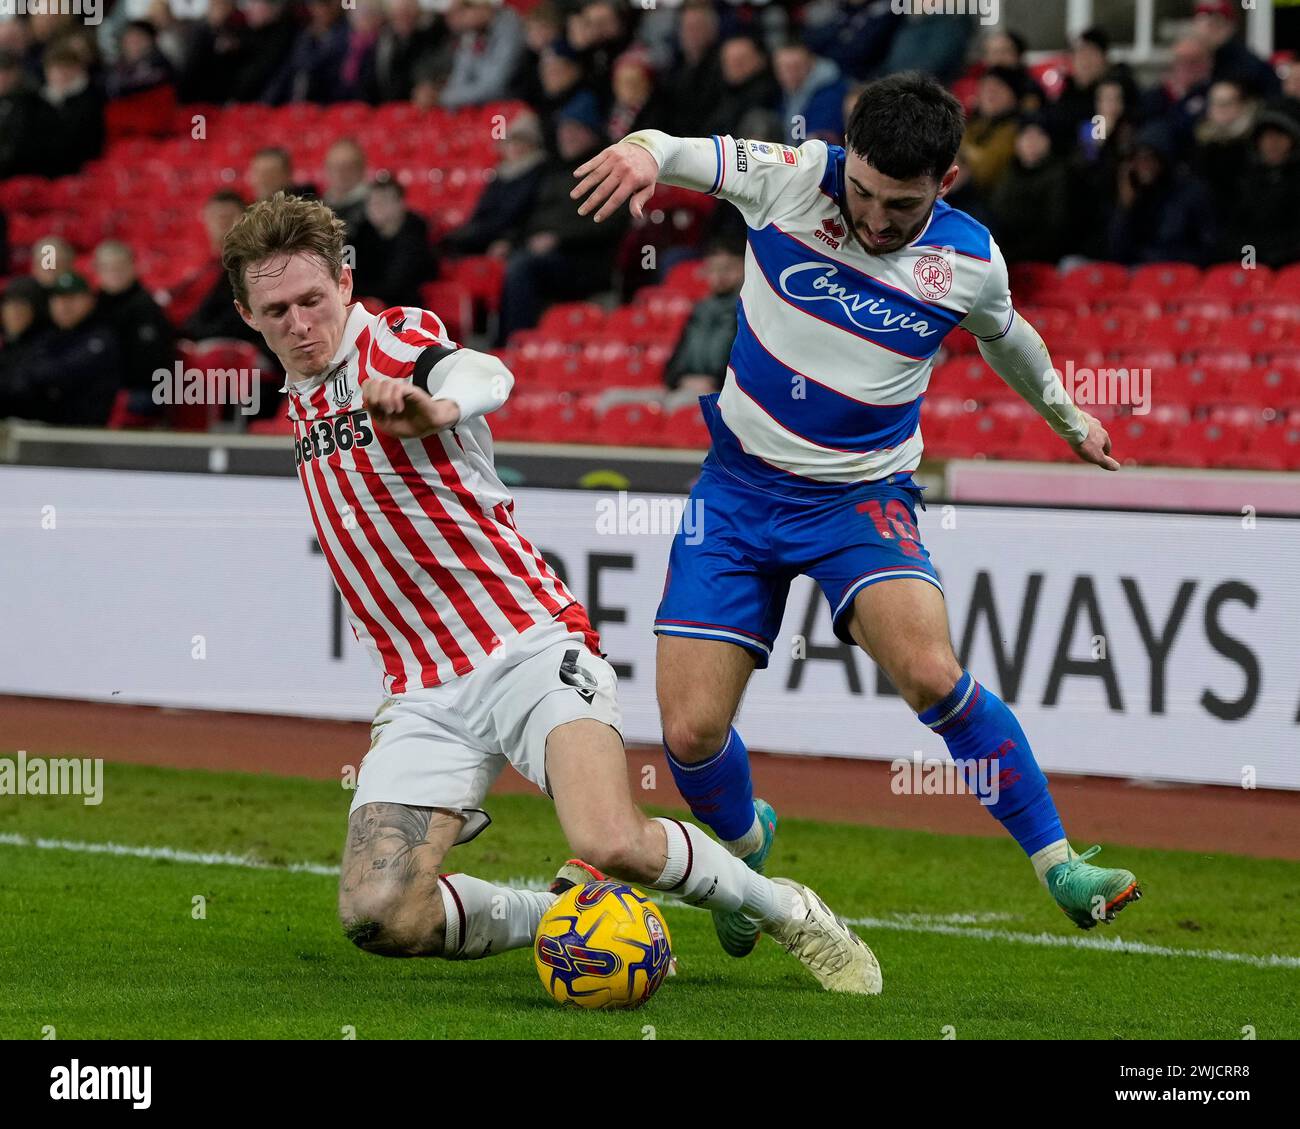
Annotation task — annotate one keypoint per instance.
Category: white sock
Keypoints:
(1049, 856)
(702, 872)
(749, 842)
(483, 920)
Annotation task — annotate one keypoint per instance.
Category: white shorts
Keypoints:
(443, 747)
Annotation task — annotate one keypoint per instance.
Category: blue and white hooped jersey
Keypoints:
(834, 347)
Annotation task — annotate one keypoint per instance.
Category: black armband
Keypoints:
(429, 357)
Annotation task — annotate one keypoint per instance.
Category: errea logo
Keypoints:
(102, 1083)
(830, 233)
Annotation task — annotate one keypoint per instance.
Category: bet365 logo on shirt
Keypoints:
(323, 437)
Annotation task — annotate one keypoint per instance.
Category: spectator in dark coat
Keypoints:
(393, 257)
(1029, 207)
(750, 95)
(1102, 144)
(543, 29)
(1074, 105)
(1215, 24)
(563, 256)
(22, 114)
(505, 204)
(856, 35)
(1223, 142)
(694, 85)
(76, 376)
(1162, 214)
(265, 41)
(204, 306)
(698, 364)
(24, 330)
(215, 54)
(1265, 215)
(140, 65)
(406, 43)
(145, 338)
(74, 129)
(313, 72)
(1180, 99)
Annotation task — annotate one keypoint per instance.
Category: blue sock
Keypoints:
(719, 791)
(978, 726)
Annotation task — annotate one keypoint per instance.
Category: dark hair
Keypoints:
(906, 125)
(1021, 44)
(226, 196)
(1097, 36)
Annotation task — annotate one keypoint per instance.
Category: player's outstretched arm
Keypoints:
(1021, 359)
(465, 384)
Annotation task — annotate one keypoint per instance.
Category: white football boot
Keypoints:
(825, 946)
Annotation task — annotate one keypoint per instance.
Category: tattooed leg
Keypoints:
(389, 900)
(393, 902)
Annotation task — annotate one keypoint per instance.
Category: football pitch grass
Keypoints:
(110, 942)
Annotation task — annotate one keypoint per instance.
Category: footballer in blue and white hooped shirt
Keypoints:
(855, 272)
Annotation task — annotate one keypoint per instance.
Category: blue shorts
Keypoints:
(747, 533)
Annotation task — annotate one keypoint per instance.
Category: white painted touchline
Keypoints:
(943, 924)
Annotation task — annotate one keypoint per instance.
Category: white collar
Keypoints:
(358, 319)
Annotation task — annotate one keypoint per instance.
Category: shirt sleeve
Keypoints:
(990, 315)
(763, 179)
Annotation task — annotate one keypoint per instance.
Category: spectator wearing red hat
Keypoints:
(638, 103)
(1216, 24)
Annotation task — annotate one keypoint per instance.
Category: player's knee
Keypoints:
(693, 737)
(929, 678)
(386, 923)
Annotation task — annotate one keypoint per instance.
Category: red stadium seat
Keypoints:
(1163, 283)
(1094, 281)
(450, 302)
(576, 322)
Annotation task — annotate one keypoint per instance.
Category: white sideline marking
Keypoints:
(950, 925)
(170, 854)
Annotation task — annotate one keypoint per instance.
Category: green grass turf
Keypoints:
(100, 946)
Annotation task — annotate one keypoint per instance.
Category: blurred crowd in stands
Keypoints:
(1078, 160)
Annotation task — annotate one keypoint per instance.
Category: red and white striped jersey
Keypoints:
(418, 533)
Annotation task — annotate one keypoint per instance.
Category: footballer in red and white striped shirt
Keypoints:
(487, 658)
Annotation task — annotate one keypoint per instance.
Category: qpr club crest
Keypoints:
(933, 274)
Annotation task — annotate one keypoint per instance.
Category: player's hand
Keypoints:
(1096, 447)
(400, 409)
(614, 175)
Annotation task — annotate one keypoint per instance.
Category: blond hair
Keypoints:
(283, 225)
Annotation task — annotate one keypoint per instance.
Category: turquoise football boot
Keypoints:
(1089, 894)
